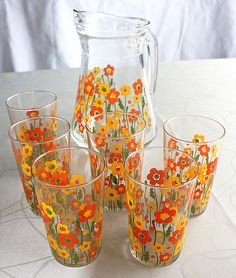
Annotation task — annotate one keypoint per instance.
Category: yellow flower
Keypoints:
(48, 210)
(98, 80)
(151, 205)
(188, 151)
(130, 186)
(125, 90)
(77, 179)
(21, 136)
(182, 223)
(103, 129)
(214, 151)
(82, 104)
(116, 168)
(63, 253)
(62, 228)
(51, 166)
(139, 222)
(103, 89)
(23, 127)
(69, 218)
(198, 138)
(178, 247)
(26, 169)
(112, 123)
(67, 191)
(54, 126)
(96, 71)
(110, 194)
(117, 148)
(172, 181)
(85, 233)
(98, 102)
(136, 246)
(136, 99)
(27, 150)
(157, 247)
(159, 234)
(130, 201)
(85, 246)
(52, 242)
(119, 113)
(192, 171)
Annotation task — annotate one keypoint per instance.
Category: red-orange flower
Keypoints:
(32, 113)
(138, 87)
(132, 145)
(75, 204)
(198, 193)
(96, 111)
(139, 208)
(171, 165)
(89, 88)
(156, 176)
(92, 253)
(87, 212)
(120, 189)
(35, 134)
(59, 178)
(176, 236)
(165, 215)
(108, 182)
(108, 70)
(183, 162)
(114, 157)
(18, 156)
(134, 112)
(100, 141)
(79, 116)
(204, 150)
(172, 144)
(113, 96)
(134, 161)
(142, 235)
(211, 167)
(68, 240)
(48, 146)
(165, 257)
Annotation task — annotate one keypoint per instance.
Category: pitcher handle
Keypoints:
(152, 61)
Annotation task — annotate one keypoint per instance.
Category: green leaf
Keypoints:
(143, 102)
(119, 204)
(152, 193)
(77, 222)
(109, 107)
(132, 129)
(80, 194)
(111, 82)
(193, 210)
(146, 256)
(168, 232)
(197, 157)
(121, 104)
(76, 258)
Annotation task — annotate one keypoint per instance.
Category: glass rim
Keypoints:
(30, 92)
(37, 118)
(55, 186)
(116, 137)
(194, 116)
(183, 184)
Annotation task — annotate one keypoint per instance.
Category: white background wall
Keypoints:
(40, 34)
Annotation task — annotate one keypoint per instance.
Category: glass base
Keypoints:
(152, 264)
(80, 264)
(198, 214)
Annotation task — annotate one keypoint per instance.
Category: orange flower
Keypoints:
(32, 113)
(132, 145)
(89, 88)
(176, 236)
(100, 141)
(96, 111)
(108, 70)
(211, 167)
(87, 212)
(134, 112)
(59, 178)
(165, 257)
(171, 165)
(92, 253)
(156, 176)
(172, 144)
(68, 240)
(115, 157)
(204, 150)
(138, 87)
(75, 204)
(183, 162)
(134, 161)
(120, 189)
(112, 97)
(35, 134)
(165, 215)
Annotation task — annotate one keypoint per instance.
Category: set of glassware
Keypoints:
(69, 186)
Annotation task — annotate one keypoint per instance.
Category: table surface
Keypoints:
(193, 87)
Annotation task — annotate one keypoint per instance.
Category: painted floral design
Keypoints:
(157, 218)
(115, 136)
(34, 138)
(206, 156)
(72, 215)
(98, 93)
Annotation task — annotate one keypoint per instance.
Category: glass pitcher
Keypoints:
(118, 69)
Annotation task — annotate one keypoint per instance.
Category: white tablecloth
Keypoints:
(194, 87)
